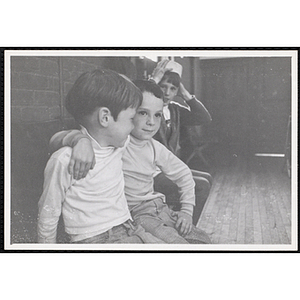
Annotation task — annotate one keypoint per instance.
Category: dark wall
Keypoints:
(249, 100)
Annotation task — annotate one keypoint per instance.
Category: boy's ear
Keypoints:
(103, 116)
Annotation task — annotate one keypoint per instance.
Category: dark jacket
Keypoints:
(182, 113)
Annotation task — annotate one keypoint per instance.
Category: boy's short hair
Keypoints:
(102, 88)
(171, 77)
(150, 87)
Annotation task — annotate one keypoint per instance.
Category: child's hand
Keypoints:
(184, 223)
(82, 159)
(160, 70)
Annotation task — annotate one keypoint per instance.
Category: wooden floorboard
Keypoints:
(249, 203)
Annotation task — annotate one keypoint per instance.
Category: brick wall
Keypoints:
(35, 85)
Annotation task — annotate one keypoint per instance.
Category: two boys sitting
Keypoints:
(109, 107)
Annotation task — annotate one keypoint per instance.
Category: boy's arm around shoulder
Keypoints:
(56, 183)
(177, 171)
(64, 138)
(82, 158)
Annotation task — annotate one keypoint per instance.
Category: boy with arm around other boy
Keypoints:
(94, 208)
(141, 159)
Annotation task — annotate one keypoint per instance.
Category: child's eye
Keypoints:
(158, 115)
(142, 113)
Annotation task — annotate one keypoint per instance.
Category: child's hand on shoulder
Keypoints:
(184, 223)
(82, 159)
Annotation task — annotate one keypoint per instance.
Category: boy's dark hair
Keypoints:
(150, 87)
(171, 77)
(102, 88)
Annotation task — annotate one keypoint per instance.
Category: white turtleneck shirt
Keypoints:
(140, 162)
(89, 206)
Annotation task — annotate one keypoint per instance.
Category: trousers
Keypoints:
(127, 233)
(158, 219)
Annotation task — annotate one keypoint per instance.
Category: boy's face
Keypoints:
(169, 90)
(121, 128)
(148, 117)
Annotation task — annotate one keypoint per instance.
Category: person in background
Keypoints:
(178, 112)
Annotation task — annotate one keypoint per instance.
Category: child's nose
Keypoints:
(150, 120)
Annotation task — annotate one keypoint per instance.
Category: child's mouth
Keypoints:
(149, 130)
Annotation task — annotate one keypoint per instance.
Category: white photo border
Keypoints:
(205, 53)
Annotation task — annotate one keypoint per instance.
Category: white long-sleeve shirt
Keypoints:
(140, 162)
(89, 206)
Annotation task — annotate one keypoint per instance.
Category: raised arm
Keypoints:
(160, 70)
(82, 158)
(198, 114)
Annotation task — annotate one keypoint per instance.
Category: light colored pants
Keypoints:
(159, 220)
(127, 233)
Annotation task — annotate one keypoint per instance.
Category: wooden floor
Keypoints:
(249, 203)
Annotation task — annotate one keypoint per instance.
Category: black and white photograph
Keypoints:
(151, 150)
